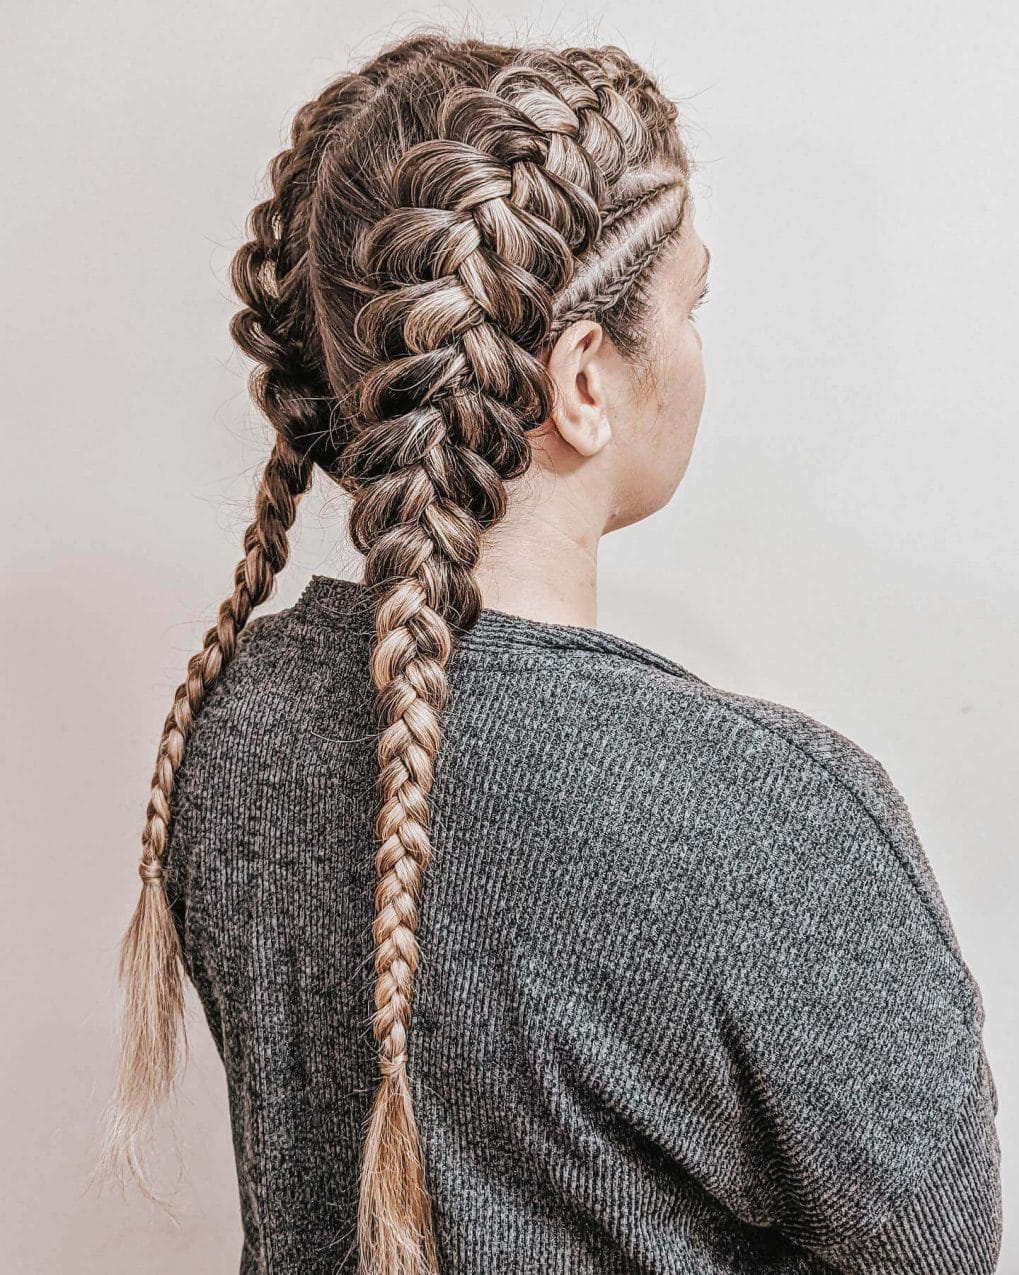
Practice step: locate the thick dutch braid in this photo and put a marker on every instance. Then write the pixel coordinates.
(438, 220)
(478, 232)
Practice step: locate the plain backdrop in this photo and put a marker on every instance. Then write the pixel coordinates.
(844, 540)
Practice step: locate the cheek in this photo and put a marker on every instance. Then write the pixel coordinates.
(683, 388)
(680, 398)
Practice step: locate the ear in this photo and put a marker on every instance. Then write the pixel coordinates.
(575, 366)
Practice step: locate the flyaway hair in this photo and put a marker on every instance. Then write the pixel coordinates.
(438, 219)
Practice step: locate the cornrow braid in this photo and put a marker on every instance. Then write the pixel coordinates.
(620, 260)
(463, 248)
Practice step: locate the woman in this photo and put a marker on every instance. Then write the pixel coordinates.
(658, 975)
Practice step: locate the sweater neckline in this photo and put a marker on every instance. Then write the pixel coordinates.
(347, 604)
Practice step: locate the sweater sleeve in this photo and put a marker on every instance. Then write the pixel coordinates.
(835, 1065)
(951, 1224)
(938, 1210)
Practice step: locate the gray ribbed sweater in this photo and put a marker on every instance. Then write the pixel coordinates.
(689, 1001)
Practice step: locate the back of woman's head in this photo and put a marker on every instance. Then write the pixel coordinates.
(438, 220)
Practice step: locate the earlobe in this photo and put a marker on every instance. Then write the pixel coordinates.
(589, 431)
(580, 415)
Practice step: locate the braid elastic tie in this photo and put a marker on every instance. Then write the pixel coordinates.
(393, 1066)
(150, 870)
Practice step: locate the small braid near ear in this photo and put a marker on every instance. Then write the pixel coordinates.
(438, 218)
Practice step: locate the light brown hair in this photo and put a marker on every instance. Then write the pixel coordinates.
(439, 217)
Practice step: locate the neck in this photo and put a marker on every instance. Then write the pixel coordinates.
(542, 567)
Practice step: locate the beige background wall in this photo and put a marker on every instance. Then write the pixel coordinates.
(845, 540)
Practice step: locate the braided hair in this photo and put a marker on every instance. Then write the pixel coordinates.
(440, 217)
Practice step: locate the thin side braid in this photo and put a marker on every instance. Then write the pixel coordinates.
(620, 282)
(150, 966)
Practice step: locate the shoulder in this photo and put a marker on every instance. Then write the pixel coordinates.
(771, 776)
(672, 705)
(253, 710)
(240, 751)
(267, 676)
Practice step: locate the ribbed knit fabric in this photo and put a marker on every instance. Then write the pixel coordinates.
(690, 1001)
